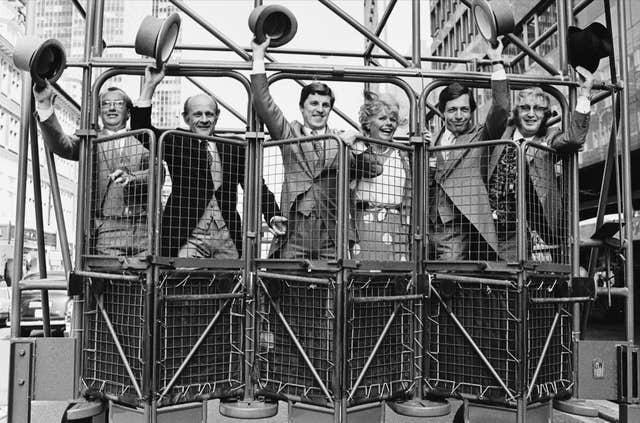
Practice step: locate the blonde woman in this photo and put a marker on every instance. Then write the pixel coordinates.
(382, 205)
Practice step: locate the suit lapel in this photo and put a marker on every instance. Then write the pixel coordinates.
(455, 156)
(498, 149)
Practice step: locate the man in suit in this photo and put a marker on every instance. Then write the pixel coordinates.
(545, 205)
(119, 177)
(460, 214)
(309, 191)
(200, 218)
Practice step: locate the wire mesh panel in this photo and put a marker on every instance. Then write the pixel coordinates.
(478, 342)
(200, 218)
(312, 174)
(461, 216)
(549, 374)
(307, 171)
(114, 318)
(119, 195)
(381, 344)
(547, 204)
(489, 315)
(200, 317)
(295, 322)
(381, 206)
(474, 193)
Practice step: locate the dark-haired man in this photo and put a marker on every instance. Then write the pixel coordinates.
(119, 177)
(309, 191)
(200, 219)
(543, 197)
(460, 214)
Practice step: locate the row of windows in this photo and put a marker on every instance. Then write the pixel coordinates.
(10, 78)
(442, 12)
(456, 41)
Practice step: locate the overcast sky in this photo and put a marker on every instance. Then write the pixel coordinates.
(318, 28)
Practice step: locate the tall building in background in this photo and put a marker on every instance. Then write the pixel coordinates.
(11, 28)
(167, 98)
(455, 35)
(112, 33)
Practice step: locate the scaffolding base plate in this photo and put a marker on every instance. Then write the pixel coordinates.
(421, 408)
(248, 409)
(576, 406)
(85, 410)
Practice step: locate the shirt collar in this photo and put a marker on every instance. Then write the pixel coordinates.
(518, 136)
(119, 131)
(307, 130)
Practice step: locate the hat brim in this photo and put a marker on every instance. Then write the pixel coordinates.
(48, 62)
(493, 19)
(157, 37)
(263, 20)
(167, 38)
(585, 47)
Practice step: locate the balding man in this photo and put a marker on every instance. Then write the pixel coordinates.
(201, 217)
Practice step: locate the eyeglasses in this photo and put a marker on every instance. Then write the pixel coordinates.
(112, 104)
(540, 110)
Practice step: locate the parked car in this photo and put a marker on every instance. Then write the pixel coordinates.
(31, 308)
(5, 301)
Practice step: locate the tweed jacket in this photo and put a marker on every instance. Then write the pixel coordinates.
(302, 167)
(460, 181)
(108, 199)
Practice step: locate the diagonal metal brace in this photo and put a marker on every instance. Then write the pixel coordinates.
(474, 345)
(296, 342)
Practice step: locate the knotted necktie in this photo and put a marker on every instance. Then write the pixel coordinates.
(215, 165)
(318, 145)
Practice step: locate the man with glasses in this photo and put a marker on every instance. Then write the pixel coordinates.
(119, 176)
(543, 194)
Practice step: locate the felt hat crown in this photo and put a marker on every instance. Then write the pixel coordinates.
(493, 18)
(157, 37)
(587, 46)
(43, 59)
(275, 21)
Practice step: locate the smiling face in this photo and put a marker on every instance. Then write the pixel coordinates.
(315, 111)
(113, 110)
(530, 113)
(201, 114)
(457, 114)
(383, 124)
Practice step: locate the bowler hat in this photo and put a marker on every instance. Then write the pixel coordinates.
(275, 21)
(493, 19)
(587, 46)
(157, 37)
(43, 59)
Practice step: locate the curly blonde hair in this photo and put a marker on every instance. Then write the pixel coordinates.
(373, 104)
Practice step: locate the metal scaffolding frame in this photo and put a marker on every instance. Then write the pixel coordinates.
(410, 67)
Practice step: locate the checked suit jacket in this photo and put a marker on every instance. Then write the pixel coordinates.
(460, 181)
(304, 171)
(110, 200)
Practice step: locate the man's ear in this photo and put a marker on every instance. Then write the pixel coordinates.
(185, 118)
